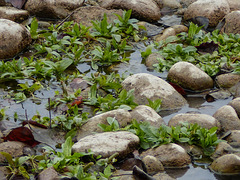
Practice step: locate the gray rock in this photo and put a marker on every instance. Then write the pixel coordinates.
(86, 14)
(147, 86)
(171, 155)
(108, 143)
(173, 4)
(234, 5)
(91, 126)
(13, 37)
(153, 165)
(48, 174)
(226, 164)
(214, 10)
(147, 10)
(189, 76)
(186, 3)
(235, 103)
(204, 120)
(52, 8)
(144, 113)
(234, 138)
(228, 118)
(232, 25)
(13, 14)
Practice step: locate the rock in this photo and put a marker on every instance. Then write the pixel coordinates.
(227, 80)
(235, 103)
(180, 28)
(204, 120)
(214, 10)
(153, 165)
(123, 175)
(222, 149)
(234, 138)
(173, 4)
(171, 155)
(186, 3)
(234, 5)
(189, 76)
(163, 176)
(13, 37)
(153, 59)
(147, 10)
(52, 8)
(228, 118)
(91, 126)
(13, 14)
(14, 148)
(166, 33)
(144, 113)
(48, 174)
(2, 3)
(86, 14)
(159, 3)
(147, 86)
(108, 143)
(232, 25)
(226, 164)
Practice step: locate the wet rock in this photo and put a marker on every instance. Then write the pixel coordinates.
(108, 143)
(227, 80)
(234, 5)
(232, 24)
(171, 155)
(13, 14)
(91, 126)
(219, 94)
(52, 8)
(75, 84)
(147, 86)
(144, 113)
(194, 150)
(234, 138)
(226, 164)
(153, 59)
(153, 165)
(13, 37)
(49, 174)
(86, 14)
(222, 149)
(214, 10)
(235, 103)
(228, 118)
(147, 10)
(173, 4)
(204, 120)
(14, 148)
(189, 76)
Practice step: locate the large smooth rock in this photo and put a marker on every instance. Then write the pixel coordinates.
(153, 165)
(226, 164)
(214, 10)
(234, 138)
(147, 10)
(189, 76)
(235, 103)
(144, 113)
(48, 174)
(171, 155)
(232, 24)
(228, 118)
(227, 80)
(52, 8)
(147, 86)
(13, 37)
(86, 14)
(222, 149)
(204, 120)
(108, 143)
(91, 126)
(13, 14)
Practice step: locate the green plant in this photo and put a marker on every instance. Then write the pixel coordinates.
(113, 125)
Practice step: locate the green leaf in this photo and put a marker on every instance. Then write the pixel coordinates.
(67, 147)
(8, 157)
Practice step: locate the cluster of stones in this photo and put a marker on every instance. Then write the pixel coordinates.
(14, 37)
